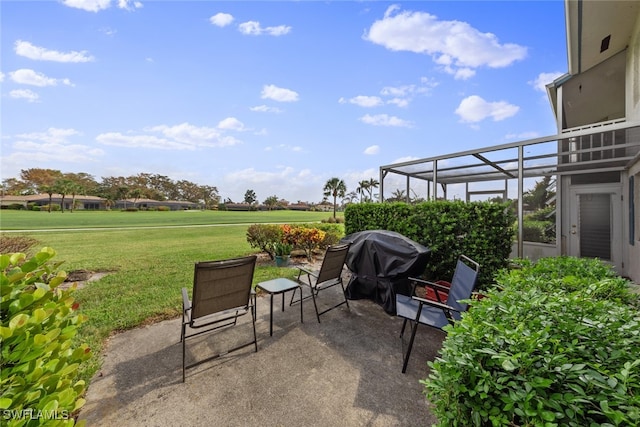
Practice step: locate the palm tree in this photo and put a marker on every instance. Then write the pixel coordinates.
(397, 196)
(373, 183)
(363, 186)
(337, 188)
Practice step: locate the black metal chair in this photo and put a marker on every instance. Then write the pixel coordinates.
(221, 294)
(437, 314)
(329, 275)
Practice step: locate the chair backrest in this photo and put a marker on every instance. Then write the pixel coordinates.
(333, 262)
(222, 285)
(463, 283)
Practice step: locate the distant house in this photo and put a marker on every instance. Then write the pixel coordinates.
(144, 204)
(81, 202)
(324, 206)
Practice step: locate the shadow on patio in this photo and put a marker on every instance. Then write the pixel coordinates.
(345, 371)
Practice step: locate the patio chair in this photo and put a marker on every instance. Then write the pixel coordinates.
(329, 275)
(221, 294)
(438, 313)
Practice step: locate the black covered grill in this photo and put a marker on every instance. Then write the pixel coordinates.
(381, 262)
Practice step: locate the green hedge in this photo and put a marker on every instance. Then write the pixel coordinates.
(554, 344)
(480, 230)
(40, 358)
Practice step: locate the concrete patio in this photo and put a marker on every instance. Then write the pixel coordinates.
(345, 371)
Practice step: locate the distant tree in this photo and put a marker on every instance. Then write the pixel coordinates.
(363, 187)
(350, 197)
(136, 193)
(271, 202)
(373, 184)
(537, 197)
(63, 186)
(122, 193)
(15, 187)
(209, 196)
(37, 178)
(398, 195)
(335, 187)
(250, 197)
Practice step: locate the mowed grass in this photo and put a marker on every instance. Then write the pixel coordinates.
(146, 267)
(32, 220)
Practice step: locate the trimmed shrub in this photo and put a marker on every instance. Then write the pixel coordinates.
(39, 358)
(264, 237)
(480, 230)
(556, 344)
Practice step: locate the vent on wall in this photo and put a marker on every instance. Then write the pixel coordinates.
(604, 44)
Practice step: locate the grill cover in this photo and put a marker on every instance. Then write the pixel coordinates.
(381, 262)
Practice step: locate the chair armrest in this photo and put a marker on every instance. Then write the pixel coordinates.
(186, 303)
(309, 274)
(435, 304)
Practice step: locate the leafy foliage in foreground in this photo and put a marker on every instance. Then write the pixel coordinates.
(556, 345)
(39, 360)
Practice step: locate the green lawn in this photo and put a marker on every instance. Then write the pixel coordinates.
(32, 220)
(147, 266)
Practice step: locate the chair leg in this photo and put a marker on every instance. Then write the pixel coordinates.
(344, 294)
(414, 328)
(404, 324)
(315, 305)
(255, 337)
(184, 341)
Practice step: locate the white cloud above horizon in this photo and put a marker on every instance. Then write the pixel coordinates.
(30, 77)
(457, 47)
(221, 19)
(28, 50)
(279, 94)
(254, 28)
(385, 120)
(99, 5)
(474, 109)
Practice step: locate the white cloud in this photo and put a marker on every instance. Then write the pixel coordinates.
(399, 102)
(454, 45)
(278, 94)
(30, 77)
(51, 148)
(178, 137)
(129, 4)
(474, 109)
(1, 77)
(265, 109)
(253, 28)
(374, 149)
(363, 101)
(221, 19)
(24, 94)
(31, 51)
(98, 5)
(385, 120)
(52, 135)
(231, 123)
(540, 82)
(88, 5)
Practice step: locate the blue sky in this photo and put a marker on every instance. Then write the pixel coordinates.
(272, 96)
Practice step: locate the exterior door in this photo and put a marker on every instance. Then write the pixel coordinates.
(596, 223)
